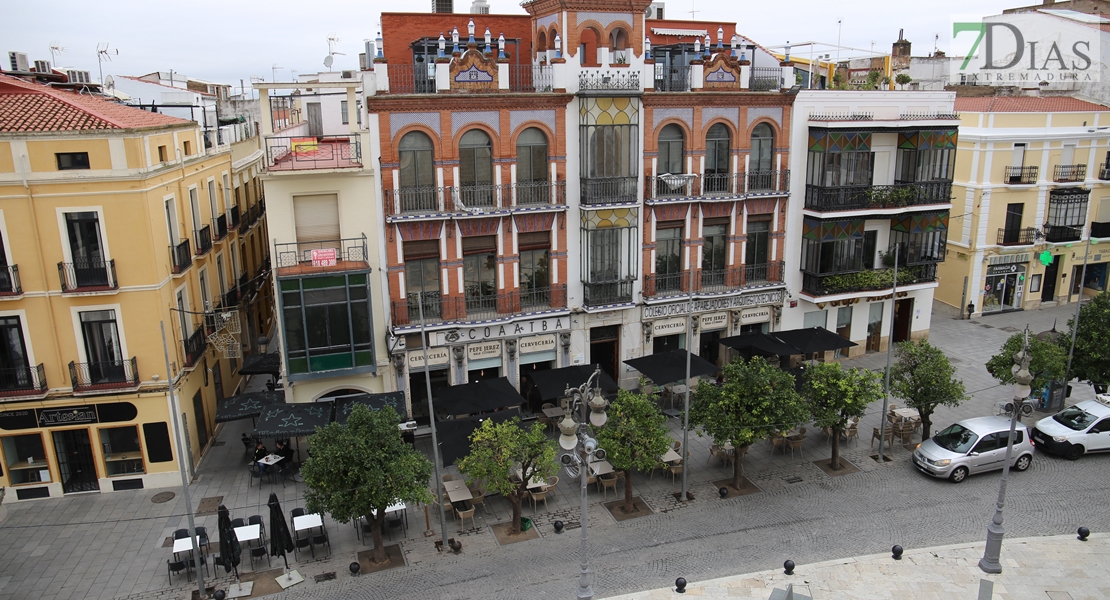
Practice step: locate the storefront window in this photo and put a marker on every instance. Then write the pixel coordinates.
(1005, 285)
(122, 454)
(666, 343)
(25, 458)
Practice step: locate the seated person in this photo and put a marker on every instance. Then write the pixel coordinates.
(286, 454)
(261, 452)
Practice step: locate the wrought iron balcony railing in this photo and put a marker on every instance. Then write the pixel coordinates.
(1104, 173)
(866, 281)
(9, 281)
(762, 273)
(1062, 233)
(863, 197)
(765, 79)
(233, 217)
(101, 376)
(607, 292)
(543, 298)
(319, 152)
(539, 193)
(412, 79)
(181, 256)
(526, 78)
(476, 306)
(1069, 173)
(672, 79)
(608, 190)
(1016, 237)
(204, 240)
(474, 198)
(607, 81)
(1021, 175)
(660, 285)
(88, 276)
(23, 381)
(708, 185)
(219, 227)
(299, 258)
(195, 345)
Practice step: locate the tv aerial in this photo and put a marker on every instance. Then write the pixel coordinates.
(104, 53)
(55, 50)
(332, 41)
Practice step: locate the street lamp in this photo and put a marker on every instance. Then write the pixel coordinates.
(581, 451)
(1078, 305)
(1022, 388)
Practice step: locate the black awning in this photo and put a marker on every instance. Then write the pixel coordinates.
(813, 339)
(478, 397)
(670, 367)
(246, 406)
(293, 420)
(345, 404)
(759, 343)
(552, 384)
(261, 364)
(454, 434)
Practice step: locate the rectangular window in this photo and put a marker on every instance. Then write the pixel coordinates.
(838, 256)
(316, 219)
(714, 254)
(69, 161)
(103, 351)
(1067, 208)
(1017, 159)
(480, 273)
(25, 459)
(327, 323)
(122, 453)
(870, 248)
(874, 326)
(535, 277)
(162, 154)
(668, 249)
(213, 207)
(422, 279)
(343, 112)
(187, 147)
(758, 246)
(86, 250)
(931, 164)
(836, 169)
(15, 372)
(817, 318)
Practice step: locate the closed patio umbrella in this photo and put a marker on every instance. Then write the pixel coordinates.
(281, 541)
(230, 552)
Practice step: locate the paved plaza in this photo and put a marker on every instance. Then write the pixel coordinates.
(113, 545)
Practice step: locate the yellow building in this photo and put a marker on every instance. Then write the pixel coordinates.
(112, 220)
(1032, 187)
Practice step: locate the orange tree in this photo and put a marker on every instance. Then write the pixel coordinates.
(634, 437)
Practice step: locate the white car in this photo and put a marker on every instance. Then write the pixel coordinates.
(1076, 430)
(973, 446)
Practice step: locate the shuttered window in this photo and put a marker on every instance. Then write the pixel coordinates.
(480, 244)
(534, 241)
(317, 218)
(421, 249)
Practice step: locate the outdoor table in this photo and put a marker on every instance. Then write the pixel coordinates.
(184, 545)
(907, 414)
(248, 533)
(601, 467)
(304, 522)
(671, 456)
(457, 491)
(270, 460)
(554, 412)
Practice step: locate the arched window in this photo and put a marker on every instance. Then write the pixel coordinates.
(541, 41)
(717, 162)
(533, 184)
(760, 176)
(618, 40)
(476, 169)
(671, 142)
(418, 175)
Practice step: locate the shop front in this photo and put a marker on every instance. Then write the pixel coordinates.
(439, 371)
(666, 325)
(1003, 288)
(537, 353)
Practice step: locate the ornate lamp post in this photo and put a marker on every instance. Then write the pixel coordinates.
(581, 451)
(1022, 380)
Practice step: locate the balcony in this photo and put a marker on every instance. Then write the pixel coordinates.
(1021, 175)
(1062, 233)
(329, 256)
(662, 285)
(526, 78)
(309, 153)
(233, 217)
(607, 292)
(1069, 173)
(9, 281)
(104, 376)
(23, 381)
(543, 298)
(204, 240)
(474, 306)
(609, 190)
(1100, 230)
(412, 79)
(742, 276)
(673, 79)
(181, 256)
(475, 198)
(1016, 237)
(88, 276)
(620, 80)
(868, 197)
(866, 281)
(711, 185)
(1104, 173)
(765, 79)
(195, 345)
(219, 226)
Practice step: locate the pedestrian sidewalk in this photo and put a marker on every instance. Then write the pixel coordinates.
(1042, 568)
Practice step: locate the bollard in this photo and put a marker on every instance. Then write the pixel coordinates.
(789, 566)
(680, 585)
(896, 551)
(1083, 534)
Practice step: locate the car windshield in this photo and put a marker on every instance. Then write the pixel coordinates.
(1074, 418)
(956, 438)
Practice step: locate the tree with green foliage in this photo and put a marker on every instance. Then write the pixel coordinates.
(834, 395)
(634, 437)
(873, 80)
(924, 378)
(361, 468)
(756, 400)
(505, 457)
(1091, 359)
(1048, 364)
(902, 79)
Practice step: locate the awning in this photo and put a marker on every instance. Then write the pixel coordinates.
(670, 367)
(345, 404)
(683, 32)
(246, 406)
(261, 364)
(482, 396)
(759, 343)
(813, 339)
(454, 435)
(293, 420)
(552, 384)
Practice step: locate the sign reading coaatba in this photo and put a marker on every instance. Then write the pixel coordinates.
(496, 332)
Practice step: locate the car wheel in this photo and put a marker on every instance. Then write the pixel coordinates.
(1023, 462)
(1074, 453)
(958, 475)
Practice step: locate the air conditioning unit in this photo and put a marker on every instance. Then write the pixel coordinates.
(348, 75)
(19, 62)
(42, 66)
(78, 76)
(654, 11)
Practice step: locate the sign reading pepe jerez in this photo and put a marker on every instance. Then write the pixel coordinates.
(499, 331)
(1027, 47)
(711, 304)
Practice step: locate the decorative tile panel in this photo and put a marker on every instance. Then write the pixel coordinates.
(516, 117)
(609, 217)
(472, 227)
(487, 117)
(534, 222)
(548, 20)
(606, 18)
(770, 112)
(686, 115)
(398, 121)
(420, 230)
(732, 115)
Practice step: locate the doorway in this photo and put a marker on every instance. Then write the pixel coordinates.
(605, 348)
(903, 318)
(315, 119)
(202, 423)
(218, 382)
(74, 453)
(709, 346)
(1051, 274)
(528, 387)
(476, 375)
(418, 392)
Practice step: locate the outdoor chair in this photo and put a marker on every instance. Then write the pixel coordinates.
(876, 435)
(903, 431)
(542, 418)
(302, 542)
(320, 539)
(253, 473)
(675, 471)
(678, 446)
(538, 497)
(202, 533)
(479, 497)
(778, 441)
(238, 523)
(795, 443)
(447, 477)
(554, 481)
(397, 523)
(257, 520)
(177, 566)
(180, 534)
(851, 433)
(463, 515)
(609, 483)
(593, 480)
(716, 451)
(660, 466)
(259, 553)
(248, 444)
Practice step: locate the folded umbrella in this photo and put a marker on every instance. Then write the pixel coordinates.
(230, 552)
(281, 541)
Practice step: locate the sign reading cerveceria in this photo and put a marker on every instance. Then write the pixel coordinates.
(1012, 49)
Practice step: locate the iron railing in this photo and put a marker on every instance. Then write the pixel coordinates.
(866, 281)
(481, 305)
(1104, 173)
(416, 199)
(233, 217)
(607, 190)
(762, 273)
(527, 78)
(605, 81)
(607, 292)
(1016, 237)
(181, 256)
(1068, 173)
(842, 116)
(539, 193)
(476, 306)
(929, 116)
(195, 345)
(204, 240)
(878, 196)
(88, 275)
(542, 298)
(9, 281)
(413, 79)
(231, 297)
(308, 152)
(1021, 175)
(219, 227)
(253, 214)
(408, 311)
(765, 79)
(658, 285)
(22, 381)
(717, 184)
(108, 375)
(672, 79)
(762, 182)
(1062, 233)
(676, 185)
(1100, 230)
(740, 276)
(472, 196)
(331, 255)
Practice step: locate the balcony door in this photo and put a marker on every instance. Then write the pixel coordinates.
(1012, 233)
(417, 171)
(102, 346)
(422, 286)
(6, 284)
(759, 165)
(315, 119)
(480, 274)
(532, 180)
(668, 256)
(717, 159)
(86, 249)
(476, 169)
(316, 219)
(15, 373)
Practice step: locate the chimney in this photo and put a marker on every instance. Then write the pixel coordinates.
(479, 7)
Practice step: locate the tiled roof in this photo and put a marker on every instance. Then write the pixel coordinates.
(1026, 104)
(30, 107)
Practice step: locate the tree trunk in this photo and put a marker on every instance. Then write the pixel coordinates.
(628, 505)
(515, 499)
(738, 467)
(835, 462)
(926, 424)
(376, 526)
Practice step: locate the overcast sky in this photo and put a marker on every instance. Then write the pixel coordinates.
(229, 40)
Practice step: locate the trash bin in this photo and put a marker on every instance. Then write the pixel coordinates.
(525, 524)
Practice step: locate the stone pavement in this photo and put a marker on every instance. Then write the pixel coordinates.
(112, 545)
(1044, 568)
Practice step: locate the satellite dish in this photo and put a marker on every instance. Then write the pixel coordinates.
(110, 82)
(328, 61)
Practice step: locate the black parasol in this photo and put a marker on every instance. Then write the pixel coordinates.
(230, 552)
(246, 406)
(345, 404)
(478, 397)
(293, 420)
(552, 384)
(262, 364)
(813, 339)
(670, 367)
(281, 542)
(759, 343)
(454, 434)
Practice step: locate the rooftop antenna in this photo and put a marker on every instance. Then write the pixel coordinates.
(273, 72)
(104, 53)
(332, 41)
(839, 28)
(936, 41)
(55, 50)
(692, 11)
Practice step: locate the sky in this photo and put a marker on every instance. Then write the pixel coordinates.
(232, 40)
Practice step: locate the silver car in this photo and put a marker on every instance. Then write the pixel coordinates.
(973, 446)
